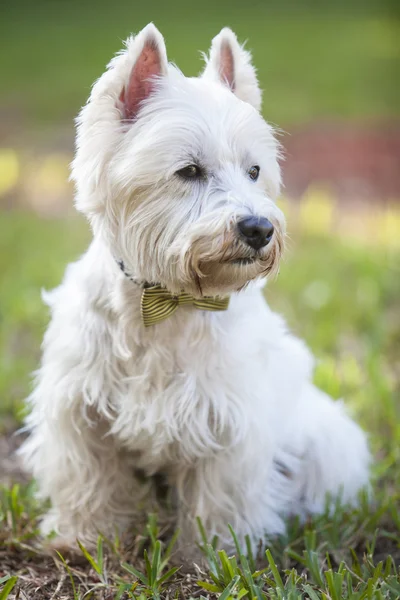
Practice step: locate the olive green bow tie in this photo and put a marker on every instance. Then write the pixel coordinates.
(158, 304)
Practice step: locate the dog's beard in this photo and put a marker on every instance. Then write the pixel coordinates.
(217, 265)
(205, 257)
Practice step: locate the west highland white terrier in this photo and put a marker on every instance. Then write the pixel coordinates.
(162, 356)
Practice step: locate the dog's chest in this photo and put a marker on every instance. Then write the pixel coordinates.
(187, 392)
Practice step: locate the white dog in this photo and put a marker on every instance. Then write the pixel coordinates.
(162, 355)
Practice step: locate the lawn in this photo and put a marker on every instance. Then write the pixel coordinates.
(315, 60)
(342, 296)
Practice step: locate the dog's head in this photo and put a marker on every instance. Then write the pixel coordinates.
(179, 175)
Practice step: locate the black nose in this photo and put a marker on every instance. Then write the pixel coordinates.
(256, 232)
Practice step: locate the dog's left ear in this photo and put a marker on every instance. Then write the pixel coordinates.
(230, 63)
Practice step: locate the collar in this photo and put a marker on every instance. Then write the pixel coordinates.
(157, 303)
(143, 284)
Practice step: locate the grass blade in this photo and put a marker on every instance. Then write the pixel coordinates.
(274, 569)
(155, 562)
(5, 592)
(71, 578)
(100, 557)
(167, 575)
(89, 557)
(132, 571)
(227, 591)
(235, 540)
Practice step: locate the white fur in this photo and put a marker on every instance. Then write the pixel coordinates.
(222, 403)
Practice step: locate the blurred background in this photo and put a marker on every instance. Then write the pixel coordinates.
(331, 78)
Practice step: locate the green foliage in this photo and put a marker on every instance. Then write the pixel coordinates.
(236, 577)
(152, 581)
(98, 563)
(148, 583)
(18, 513)
(314, 59)
(33, 255)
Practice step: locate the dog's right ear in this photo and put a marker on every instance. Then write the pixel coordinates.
(146, 58)
(130, 78)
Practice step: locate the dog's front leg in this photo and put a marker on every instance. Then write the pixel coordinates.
(229, 488)
(87, 477)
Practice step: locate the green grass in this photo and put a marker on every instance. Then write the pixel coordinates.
(315, 60)
(32, 253)
(343, 298)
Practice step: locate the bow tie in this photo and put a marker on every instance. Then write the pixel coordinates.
(158, 304)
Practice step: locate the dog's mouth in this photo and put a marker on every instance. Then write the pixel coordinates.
(249, 260)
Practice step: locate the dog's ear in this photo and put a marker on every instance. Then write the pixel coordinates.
(147, 59)
(230, 63)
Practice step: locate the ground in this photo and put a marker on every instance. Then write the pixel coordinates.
(341, 294)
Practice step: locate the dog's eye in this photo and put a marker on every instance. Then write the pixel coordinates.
(254, 172)
(190, 172)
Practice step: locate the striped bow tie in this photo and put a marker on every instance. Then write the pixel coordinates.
(158, 304)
